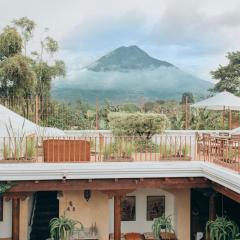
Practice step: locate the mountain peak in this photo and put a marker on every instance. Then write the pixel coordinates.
(127, 59)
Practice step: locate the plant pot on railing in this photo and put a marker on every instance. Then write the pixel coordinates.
(66, 150)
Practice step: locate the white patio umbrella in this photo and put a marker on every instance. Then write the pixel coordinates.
(220, 102)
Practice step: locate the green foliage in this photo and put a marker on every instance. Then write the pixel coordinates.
(162, 224)
(30, 148)
(17, 77)
(222, 229)
(27, 27)
(228, 76)
(143, 125)
(69, 116)
(129, 108)
(4, 187)
(51, 45)
(119, 149)
(24, 76)
(10, 43)
(189, 96)
(205, 119)
(62, 228)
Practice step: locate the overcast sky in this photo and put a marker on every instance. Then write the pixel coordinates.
(192, 34)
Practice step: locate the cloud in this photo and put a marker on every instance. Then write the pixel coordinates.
(107, 32)
(194, 35)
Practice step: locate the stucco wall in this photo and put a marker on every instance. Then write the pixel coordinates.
(6, 224)
(93, 211)
(182, 213)
(141, 224)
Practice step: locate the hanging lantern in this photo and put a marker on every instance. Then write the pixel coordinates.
(87, 194)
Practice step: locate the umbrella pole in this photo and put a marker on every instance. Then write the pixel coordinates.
(223, 116)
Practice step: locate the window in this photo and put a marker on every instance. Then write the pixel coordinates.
(155, 207)
(128, 208)
(1, 208)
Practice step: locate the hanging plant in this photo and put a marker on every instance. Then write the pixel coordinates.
(4, 187)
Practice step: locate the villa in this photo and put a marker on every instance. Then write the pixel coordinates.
(191, 176)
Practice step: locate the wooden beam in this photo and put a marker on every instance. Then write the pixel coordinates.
(121, 184)
(117, 217)
(227, 192)
(15, 218)
(16, 195)
(212, 206)
(112, 193)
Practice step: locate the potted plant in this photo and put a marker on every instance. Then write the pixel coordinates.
(162, 227)
(222, 229)
(62, 228)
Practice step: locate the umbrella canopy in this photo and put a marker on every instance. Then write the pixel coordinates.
(219, 102)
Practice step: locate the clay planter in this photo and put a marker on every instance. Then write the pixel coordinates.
(70, 150)
(167, 236)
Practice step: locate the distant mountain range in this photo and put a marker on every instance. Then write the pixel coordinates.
(126, 75)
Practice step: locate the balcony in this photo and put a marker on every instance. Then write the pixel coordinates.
(101, 146)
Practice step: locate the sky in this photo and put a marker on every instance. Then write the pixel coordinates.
(194, 35)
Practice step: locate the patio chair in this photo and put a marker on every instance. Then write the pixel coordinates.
(207, 145)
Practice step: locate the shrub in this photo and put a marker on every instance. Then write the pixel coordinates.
(143, 125)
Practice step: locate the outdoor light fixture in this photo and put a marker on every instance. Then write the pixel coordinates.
(87, 194)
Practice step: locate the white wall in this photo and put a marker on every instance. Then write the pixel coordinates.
(6, 224)
(141, 225)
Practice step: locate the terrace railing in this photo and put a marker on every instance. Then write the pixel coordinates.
(96, 149)
(222, 149)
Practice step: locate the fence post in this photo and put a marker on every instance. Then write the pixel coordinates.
(36, 109)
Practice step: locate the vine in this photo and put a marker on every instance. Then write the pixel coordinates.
(4, 187)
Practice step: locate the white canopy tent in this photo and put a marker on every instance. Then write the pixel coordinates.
(13, 123)
(221, 102)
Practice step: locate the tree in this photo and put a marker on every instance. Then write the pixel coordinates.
(44, 71)
(17, 77)
(143, 125)
(27, 27)
(189, 97)
(22, 75)
(228, 76)
(10, 43)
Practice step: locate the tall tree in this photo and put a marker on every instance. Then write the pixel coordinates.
(10, 43)
(189, 97)
(23, 75)
(17, 77)
(45, 71)
(26, 27)
(228, 76)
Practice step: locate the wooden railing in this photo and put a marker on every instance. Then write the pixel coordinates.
(220, 149)
(96, 149)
